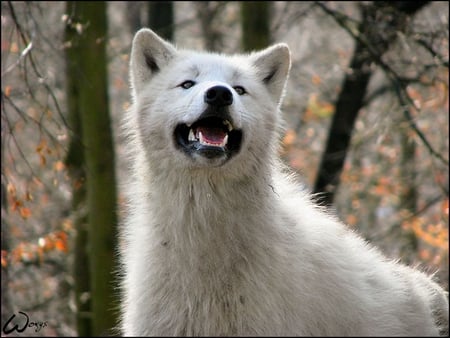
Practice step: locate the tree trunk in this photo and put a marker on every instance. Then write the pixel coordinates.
(349, 103)
(99, 163)
(378, 29)
(408, 195)
(6, 310)
(255, 25)
(207, 11)
(160, 18)
(75, 164)
(133, 15)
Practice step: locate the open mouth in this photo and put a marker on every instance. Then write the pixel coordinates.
(210, 137)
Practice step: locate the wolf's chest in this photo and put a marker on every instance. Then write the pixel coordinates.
(216, 290)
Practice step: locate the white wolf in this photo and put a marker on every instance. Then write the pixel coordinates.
(218, 239)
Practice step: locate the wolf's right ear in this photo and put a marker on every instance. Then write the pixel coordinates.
(149, 53)
(272, 67)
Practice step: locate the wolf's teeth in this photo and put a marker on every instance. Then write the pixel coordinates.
(200, 138)
(228, 125)
(206, 143)
(191, 136)
(225, 141)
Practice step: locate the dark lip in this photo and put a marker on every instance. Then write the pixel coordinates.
(181, 134)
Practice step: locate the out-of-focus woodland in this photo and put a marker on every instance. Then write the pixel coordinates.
(367, 126)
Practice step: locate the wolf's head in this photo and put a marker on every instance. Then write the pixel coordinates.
(199, 110)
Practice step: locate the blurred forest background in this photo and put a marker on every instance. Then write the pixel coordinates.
(367, 126)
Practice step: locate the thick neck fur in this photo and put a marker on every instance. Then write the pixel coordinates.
(199, 207)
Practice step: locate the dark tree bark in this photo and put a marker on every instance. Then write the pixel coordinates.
(75, 164)
(378, 30)
(255, 24)
(134, 9)
(6, 310)
(160, 18)
(91, 88)
(207, 12)
(408, 194)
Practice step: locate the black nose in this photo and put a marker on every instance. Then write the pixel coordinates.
(218, 96)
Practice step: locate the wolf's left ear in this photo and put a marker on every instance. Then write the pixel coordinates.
(272, 66)
(149, 53)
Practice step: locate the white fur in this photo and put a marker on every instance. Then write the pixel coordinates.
(214, 247)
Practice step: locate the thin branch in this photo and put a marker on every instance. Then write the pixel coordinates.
(399, 85)
(33, 64)
(405, 100)
(21, 57)
(27, 118)
(10, 129)
(428, 205)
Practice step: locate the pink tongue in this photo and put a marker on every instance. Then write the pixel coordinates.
(212, 135)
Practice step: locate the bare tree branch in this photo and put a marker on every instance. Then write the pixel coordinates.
(26, 41)
(399, 84)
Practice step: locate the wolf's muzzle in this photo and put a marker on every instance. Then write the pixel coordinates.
(213, 135)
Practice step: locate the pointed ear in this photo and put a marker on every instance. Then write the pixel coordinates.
(149, 53)
(272, 66)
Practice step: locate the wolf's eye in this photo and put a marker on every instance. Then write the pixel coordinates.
(187, 84)
(240, 90)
